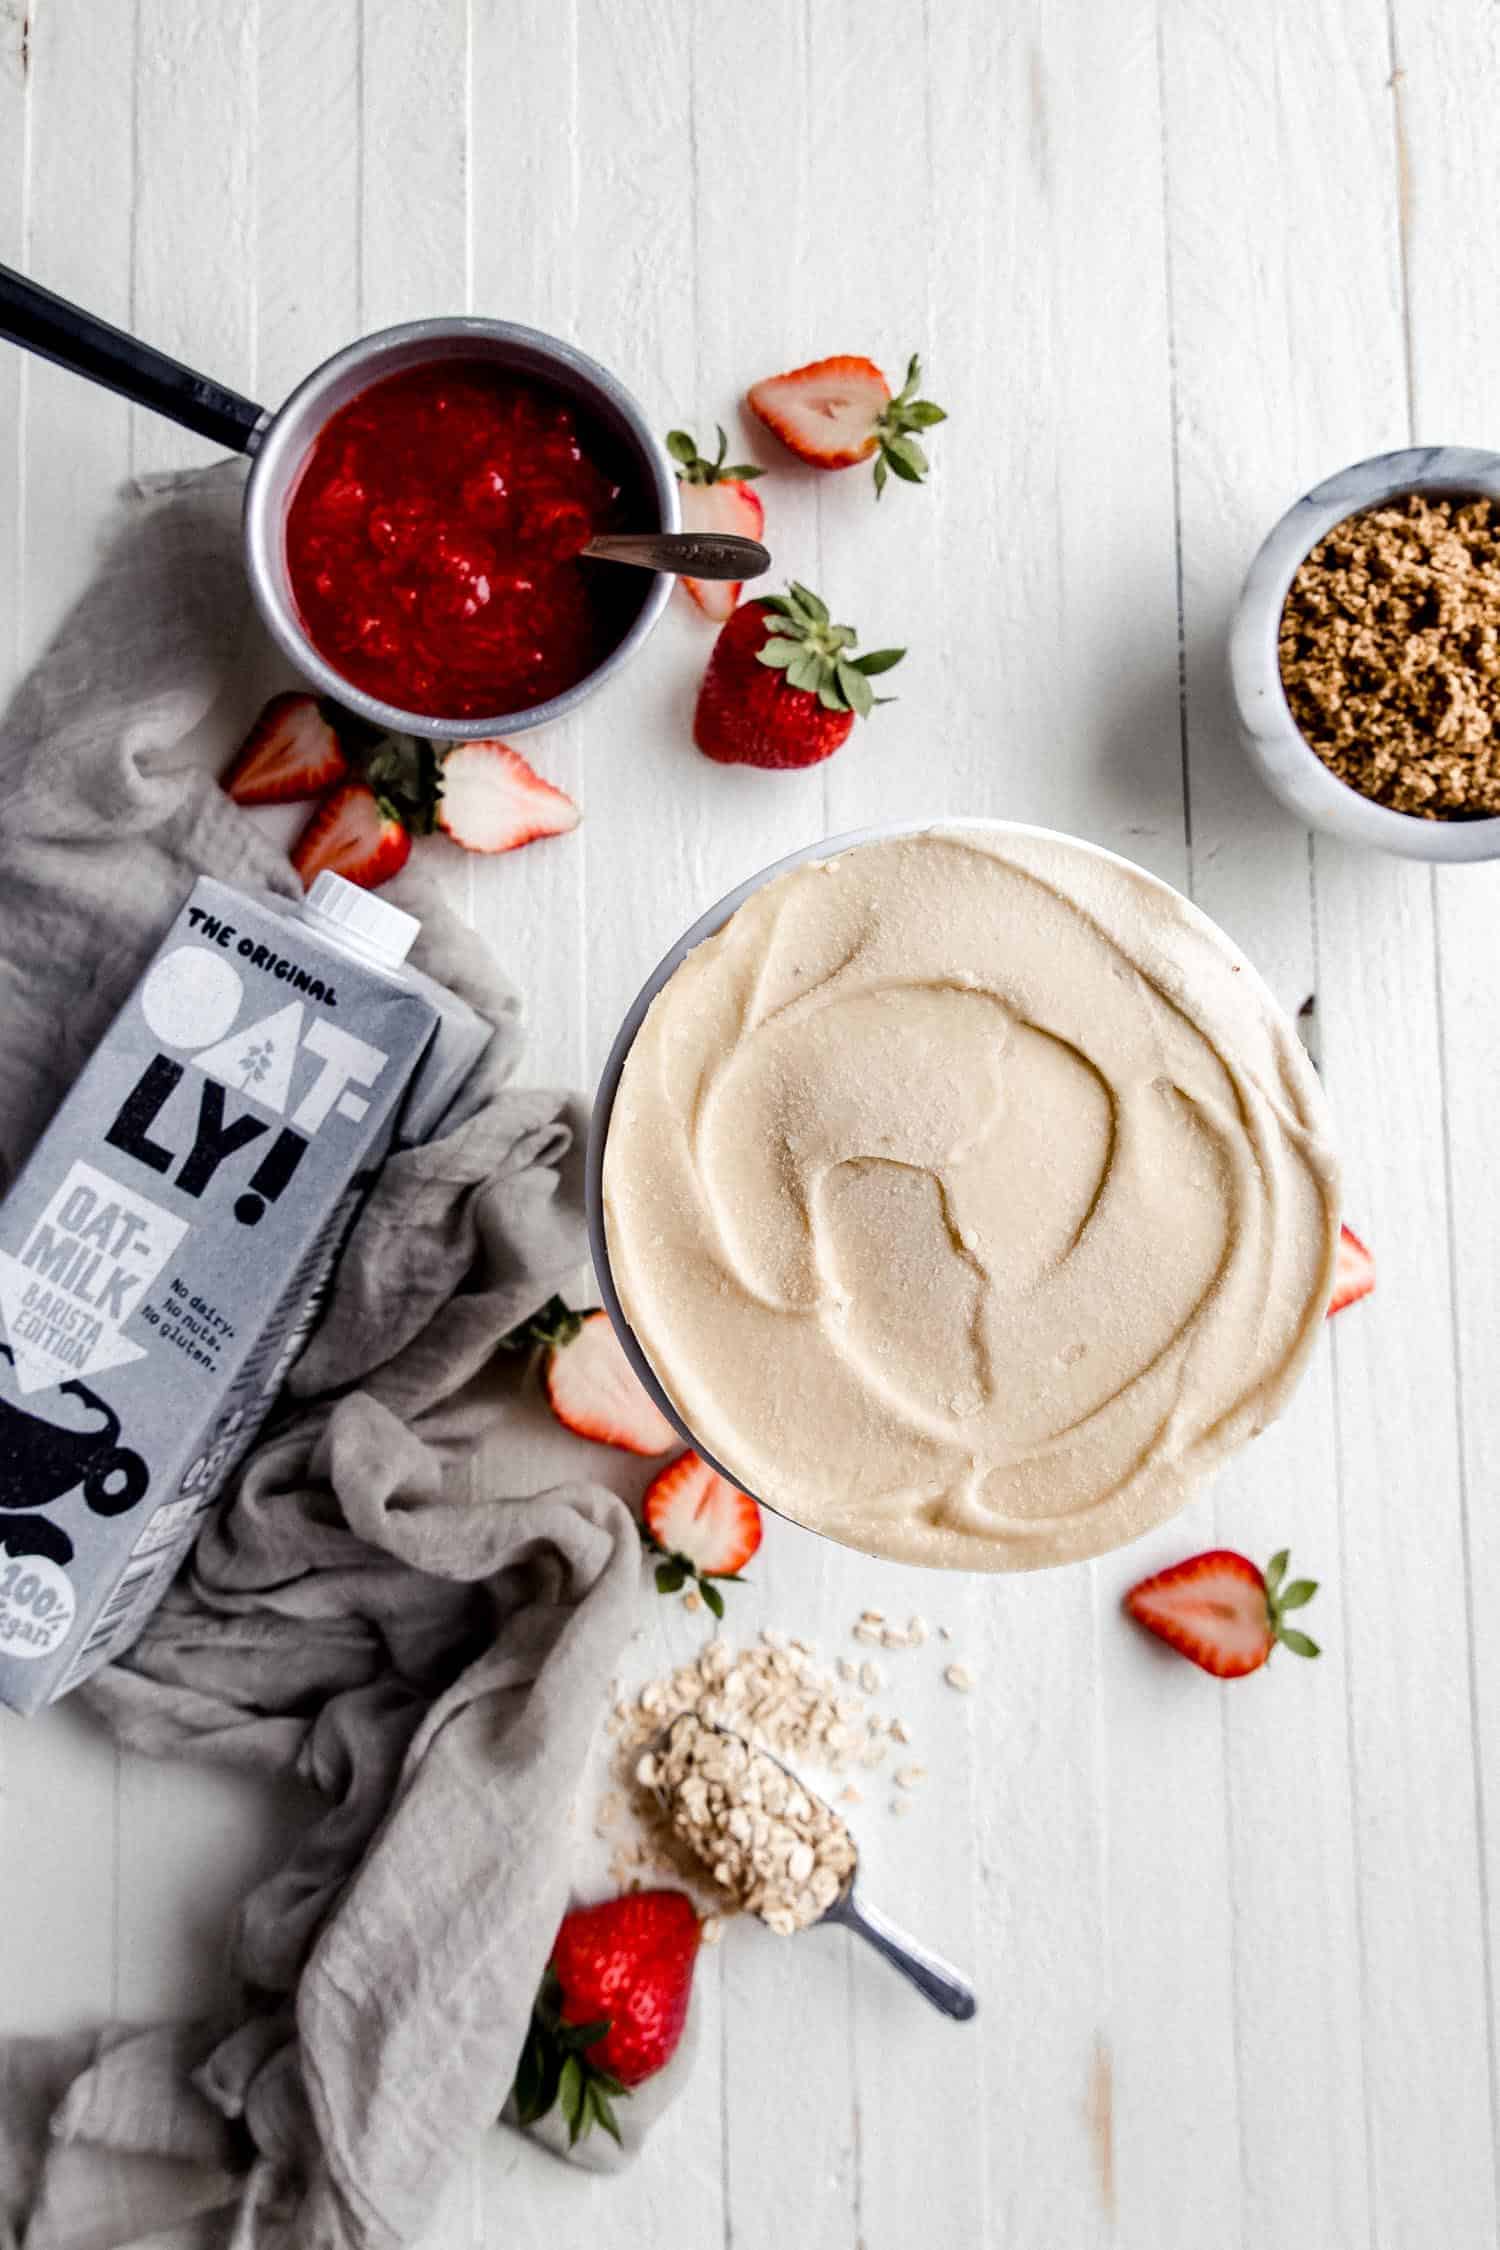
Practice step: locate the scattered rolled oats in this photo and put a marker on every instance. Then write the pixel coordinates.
(692, 1599)
(711, 1929)
(959, 1676)
(910, 1777)
(916, 1631)
(870, 1678)
(901, 1804)
(872, 1617)
(900, 1731)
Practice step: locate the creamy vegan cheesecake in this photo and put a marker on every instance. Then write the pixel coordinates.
(970, 1197)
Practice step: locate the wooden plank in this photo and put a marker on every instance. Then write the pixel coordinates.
(193, 217)
(1047, 269)
(15, 158)
(1410, 1710)
(306, 188)
(58, 1835)
(1286, 260)
(529, 906)
(1237, 147)
(780, 2184)
(632, 125)
(193, 278)
(413, 179)
(1445, 83)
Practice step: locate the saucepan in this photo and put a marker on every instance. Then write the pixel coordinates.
(280, 442)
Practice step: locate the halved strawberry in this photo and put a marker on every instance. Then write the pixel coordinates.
(492, 801)
(1222, 1613)
(292, 752)
(716, 498)
(836, 412)
(703, 1526)
(355, 834)
(591, 1386)
(1353, 1273)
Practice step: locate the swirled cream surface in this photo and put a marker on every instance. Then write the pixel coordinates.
(970, 1197)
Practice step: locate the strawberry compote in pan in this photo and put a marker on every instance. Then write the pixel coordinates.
(434, 542)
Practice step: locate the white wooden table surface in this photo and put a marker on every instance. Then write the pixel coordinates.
(1167, 264)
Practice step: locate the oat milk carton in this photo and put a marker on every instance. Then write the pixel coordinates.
(165, 1250)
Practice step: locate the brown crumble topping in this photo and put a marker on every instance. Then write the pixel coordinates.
(1390, 655)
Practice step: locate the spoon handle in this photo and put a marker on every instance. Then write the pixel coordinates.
(686, 554)
(933, 1978)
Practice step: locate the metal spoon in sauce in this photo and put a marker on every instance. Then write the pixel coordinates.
(933, 1977)
(684, 554)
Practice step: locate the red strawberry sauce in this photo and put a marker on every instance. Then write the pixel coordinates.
(433, 542)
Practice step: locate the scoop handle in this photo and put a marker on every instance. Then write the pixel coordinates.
(933, 1977)
(57, 330)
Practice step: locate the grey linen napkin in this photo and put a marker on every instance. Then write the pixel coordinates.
(366, 1613)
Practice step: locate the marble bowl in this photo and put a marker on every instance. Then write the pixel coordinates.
(1290, 768)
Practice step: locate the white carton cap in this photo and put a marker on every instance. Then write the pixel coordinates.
(356, 918)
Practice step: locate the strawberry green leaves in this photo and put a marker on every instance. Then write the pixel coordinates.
(817, 655)
(675, 1571)
(900, 454)
(694, 469)
(1280, 1598)
(555, 2071)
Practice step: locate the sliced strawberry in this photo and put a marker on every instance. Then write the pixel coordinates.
(593, 1389)
(1353, 1273)
(353, 834)
(493, 802)
(825, 412)
(836, 412)
(702, 1525)
(1222, 1613)
(291, 753)
(716, 497)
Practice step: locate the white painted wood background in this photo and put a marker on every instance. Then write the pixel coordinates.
(1167, 265)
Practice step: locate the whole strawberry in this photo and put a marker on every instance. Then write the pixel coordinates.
(611, 2009)
(783, 686)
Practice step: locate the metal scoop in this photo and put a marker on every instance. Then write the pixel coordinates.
(933, 1977)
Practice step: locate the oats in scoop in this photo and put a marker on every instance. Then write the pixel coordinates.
(777, 1848)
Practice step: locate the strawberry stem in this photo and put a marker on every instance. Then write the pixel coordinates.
(900, 454)
(555, 2070)
(817, 655)
(675, 1570)
(693, 469)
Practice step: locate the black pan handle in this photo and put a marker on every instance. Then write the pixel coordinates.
(32, 316)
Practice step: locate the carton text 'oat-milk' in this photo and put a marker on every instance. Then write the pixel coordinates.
(164, 1250)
